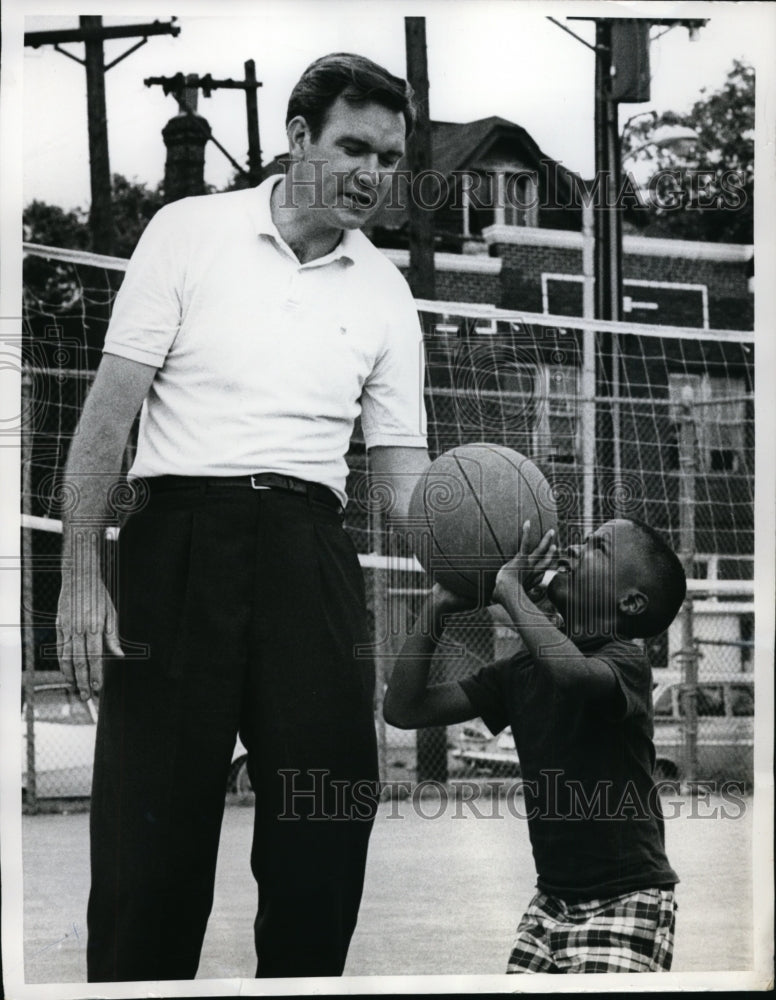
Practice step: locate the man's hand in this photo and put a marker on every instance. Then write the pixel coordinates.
(527, 568)
(86, 619)
(87, 630)
(442, 602)
(447, 602)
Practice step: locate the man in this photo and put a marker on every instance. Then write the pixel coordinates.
(253, 327)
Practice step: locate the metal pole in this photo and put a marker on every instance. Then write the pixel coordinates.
(614, 242)
(587, 414)
(377, 586)
(252, 109)
(689, 654)
(28, 635)
(602, 259)
(608, 225)
(101, 212)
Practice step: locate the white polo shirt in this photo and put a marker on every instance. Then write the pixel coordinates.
(264, 363)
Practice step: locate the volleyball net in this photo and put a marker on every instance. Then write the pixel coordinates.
(624, 419)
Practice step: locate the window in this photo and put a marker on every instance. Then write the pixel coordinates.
(557, 422)
(477, 194)
(664, 706)
(741, 700)
(62, 706)
(521, 199)
(710, 700)
(718, 407)
(499, 195)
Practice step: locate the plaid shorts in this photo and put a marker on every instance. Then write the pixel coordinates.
(633, 932)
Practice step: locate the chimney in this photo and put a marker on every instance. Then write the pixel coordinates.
(185, 137)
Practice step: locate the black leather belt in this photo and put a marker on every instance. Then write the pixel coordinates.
(258, 481)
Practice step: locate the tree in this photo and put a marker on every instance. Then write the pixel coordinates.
(705, 192)
(54, 283)
(134, 205)
(49, 281)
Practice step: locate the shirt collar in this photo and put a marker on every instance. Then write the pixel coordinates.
(346, 250)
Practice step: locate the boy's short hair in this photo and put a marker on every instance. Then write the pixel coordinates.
(667, 585)
(353, 77)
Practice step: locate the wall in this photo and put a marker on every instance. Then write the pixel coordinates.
(460, 277)
(527, 254)
(511, 277)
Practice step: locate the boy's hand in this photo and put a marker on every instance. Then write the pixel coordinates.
(527, 568)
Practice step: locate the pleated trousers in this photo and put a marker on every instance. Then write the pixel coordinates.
(243, 611)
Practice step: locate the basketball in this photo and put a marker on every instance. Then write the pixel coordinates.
(469, 509)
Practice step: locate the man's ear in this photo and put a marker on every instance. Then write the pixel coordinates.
(298, 132)
(633, 602)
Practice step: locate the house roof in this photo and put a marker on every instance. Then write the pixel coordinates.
(457, 145)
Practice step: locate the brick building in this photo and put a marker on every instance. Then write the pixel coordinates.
(507, 223)
(518, 245)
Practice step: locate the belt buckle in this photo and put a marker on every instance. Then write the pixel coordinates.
(253, 483)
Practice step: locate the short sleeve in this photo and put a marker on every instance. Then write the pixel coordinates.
(147, 312)
(487, 692)
(393, 411)
(633, 674)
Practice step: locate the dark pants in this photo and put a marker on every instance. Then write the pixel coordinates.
(238, 610)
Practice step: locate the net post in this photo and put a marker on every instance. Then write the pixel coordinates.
(587, 414)
(28, 635)
(430, 741)
(378, 600)
(689, 652)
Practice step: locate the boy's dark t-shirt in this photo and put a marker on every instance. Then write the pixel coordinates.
(593, 811)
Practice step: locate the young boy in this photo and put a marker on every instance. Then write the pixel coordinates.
(579, 704)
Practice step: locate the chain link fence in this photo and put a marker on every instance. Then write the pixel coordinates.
(642, 425)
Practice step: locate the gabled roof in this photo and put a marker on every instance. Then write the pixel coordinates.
(457, 145)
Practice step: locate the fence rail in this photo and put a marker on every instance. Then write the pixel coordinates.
(624, 419)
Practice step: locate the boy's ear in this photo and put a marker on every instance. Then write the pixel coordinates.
(633, 602)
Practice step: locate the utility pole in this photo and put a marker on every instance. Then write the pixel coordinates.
(608, 218)
(93, 34)
(421, 220)
(431, 743)
(608, 235)
(179, 84)
(621, 77)
(101, 209)
(252, 111)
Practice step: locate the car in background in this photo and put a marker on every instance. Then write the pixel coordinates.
(725, 710)
(483, 755)
(725, 730)
(65, 729)
(64, 734)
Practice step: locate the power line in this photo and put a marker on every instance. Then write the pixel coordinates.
(178, 84)
(93, 34)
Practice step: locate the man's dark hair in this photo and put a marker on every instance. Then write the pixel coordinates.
(356, 79)
(667, 585)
